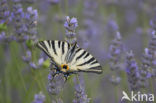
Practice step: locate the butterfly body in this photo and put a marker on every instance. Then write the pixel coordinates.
(69, 59)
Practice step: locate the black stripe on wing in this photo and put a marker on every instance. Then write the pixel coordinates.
(87, 55)
(41, 45)
(97, 69)
(62, 47)
(83, 53)
(87, 62)
(59, 43)
(53, 46)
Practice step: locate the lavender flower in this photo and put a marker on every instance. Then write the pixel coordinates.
(145, 68)
(39, 98)
(116, 49)
(55, 82)
(152, 50)
(4, 12)
(28, 59)
(132, 71)
(111, 26)
(6, 39)
(70, 24)
(80, 96)
(17, 18)
(58, 100)
(2, 36)
(31, 17)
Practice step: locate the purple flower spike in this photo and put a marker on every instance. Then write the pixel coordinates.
(132, 71)
(116, 49)
(4, 12)
(71, 24)
(55, 83)
(80, 95)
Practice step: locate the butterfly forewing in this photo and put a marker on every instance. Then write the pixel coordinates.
(56, 50)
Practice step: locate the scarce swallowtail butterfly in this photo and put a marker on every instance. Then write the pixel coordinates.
(69, 59)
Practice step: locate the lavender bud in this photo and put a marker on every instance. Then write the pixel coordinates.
(39, 98)
(40, 61)
(33, 65)
(71, 25)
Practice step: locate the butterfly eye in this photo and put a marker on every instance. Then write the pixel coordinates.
(65, 66)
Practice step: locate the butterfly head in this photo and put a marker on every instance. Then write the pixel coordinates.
(64, 68)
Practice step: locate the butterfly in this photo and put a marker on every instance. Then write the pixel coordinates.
(69, 59)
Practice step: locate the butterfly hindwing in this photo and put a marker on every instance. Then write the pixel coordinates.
(56, 50)
(85, 62)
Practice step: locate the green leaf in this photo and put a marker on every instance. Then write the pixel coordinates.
(29, 43)
(3, 27)
(46, 63)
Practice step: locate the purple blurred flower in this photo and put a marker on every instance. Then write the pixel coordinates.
(115, 79)
(89, 8)
(111, 26)
(58, 100)
(40, 61)
(31, 17)
(80, 95)
(17, 17)
(6, 39)
(33, 65)
(4, 12)
(27, 58)
(39, 98)
(115, 57)
(116, 49)
(2, 36)
(53, 2)
(152, 52)
(145, 68)
(132, 71)
(55, 82)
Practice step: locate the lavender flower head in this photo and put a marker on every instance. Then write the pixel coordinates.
(31, 17)
(55, 81)
(80, 96)
(132, 71)
(17, 17)
(71, 24)
(152, 52)
(116, 48)
(4, 12)
(145, 68)
(39, 98)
